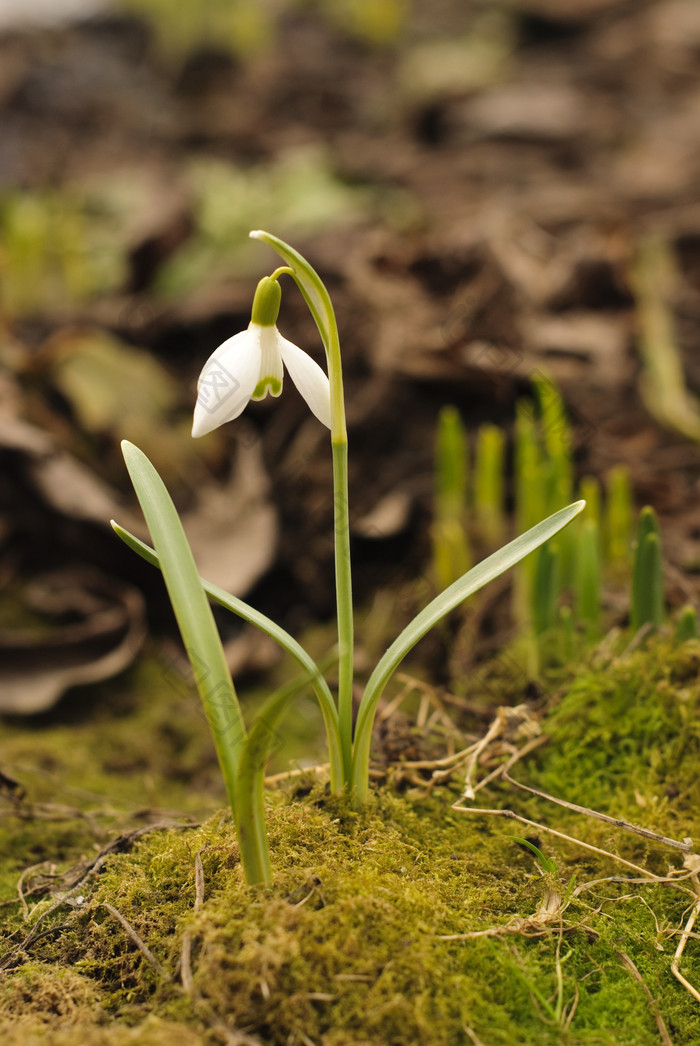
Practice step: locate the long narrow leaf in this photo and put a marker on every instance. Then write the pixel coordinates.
(276, 632)
(491, 567)
(193, 614)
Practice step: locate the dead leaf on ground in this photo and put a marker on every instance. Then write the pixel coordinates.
(101, 626)
(31, 458)
(390, 516)
(121, 391)
(233, 528)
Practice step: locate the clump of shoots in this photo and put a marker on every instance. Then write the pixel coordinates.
(558, 592)
(466, 498)
(249, 366)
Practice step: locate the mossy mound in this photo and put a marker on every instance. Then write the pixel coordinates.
(625, 738)
(406, 922)
(345, 946)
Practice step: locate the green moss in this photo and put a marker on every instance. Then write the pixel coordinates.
(347, 946)
(625, 738)
(344, 942)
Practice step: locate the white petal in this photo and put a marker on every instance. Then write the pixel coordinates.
(308, 378)
(271, 370)
(227, 381)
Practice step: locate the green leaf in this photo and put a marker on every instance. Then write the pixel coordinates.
(489, 569)
(243, 610)
(193, 614)
(548, 864)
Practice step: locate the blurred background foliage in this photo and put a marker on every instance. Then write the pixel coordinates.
(250, 27)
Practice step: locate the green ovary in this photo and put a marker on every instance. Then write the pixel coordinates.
(265, 385)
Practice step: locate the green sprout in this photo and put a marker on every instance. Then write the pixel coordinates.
(618, 522)
(687, 624)
(489, 516)
(588, 561)
(647, 577)
(451, 553)
(547, 864)
(248, 366)
(248, 27)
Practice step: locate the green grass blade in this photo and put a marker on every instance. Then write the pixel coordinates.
(193, 614)
(450, 464)
(544, 612)
(589, 490)
(280, 636)
(530, 502)
(491, 567)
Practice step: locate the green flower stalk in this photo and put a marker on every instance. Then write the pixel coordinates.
(251, 365)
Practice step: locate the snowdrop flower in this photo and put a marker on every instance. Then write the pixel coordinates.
(251, 364)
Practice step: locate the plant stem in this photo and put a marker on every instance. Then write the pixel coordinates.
(343, 588)
(341, 534)
(318, 300)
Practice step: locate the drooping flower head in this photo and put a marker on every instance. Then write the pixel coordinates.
(251, 364)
